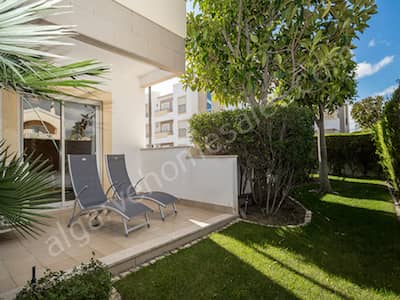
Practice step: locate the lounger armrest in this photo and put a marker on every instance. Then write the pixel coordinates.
(139, 181)
(109, 189)
(82, 190)
(114, 187)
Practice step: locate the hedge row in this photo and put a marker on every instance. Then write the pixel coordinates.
(387, 135)
(352, 155)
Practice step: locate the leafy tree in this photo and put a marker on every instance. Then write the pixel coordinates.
(244, 50)
(262, 52)
(368, 111)
(328, 78)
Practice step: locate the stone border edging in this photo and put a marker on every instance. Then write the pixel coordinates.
(306, 221)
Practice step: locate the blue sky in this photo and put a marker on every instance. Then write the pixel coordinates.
(378, 51)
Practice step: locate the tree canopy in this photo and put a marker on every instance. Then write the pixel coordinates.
(259, 52)
(368, 111)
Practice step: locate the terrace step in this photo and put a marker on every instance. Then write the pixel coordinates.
(136, 256)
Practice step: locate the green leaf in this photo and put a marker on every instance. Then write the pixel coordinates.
(327, 10)
(254, 38)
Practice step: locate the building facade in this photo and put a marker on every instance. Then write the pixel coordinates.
(338, 121)
(170, 115)
(143, 42)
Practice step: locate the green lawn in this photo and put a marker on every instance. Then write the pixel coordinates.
(351, 250)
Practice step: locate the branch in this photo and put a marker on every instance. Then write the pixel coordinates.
(247, 34)
(239, 23)
(228, 42)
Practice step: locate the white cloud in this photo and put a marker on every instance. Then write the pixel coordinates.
(365, 69)
(372, 43)
(388, 91)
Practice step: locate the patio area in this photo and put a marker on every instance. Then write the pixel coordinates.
(62, 248)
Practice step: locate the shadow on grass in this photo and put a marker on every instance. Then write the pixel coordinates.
(358, 244)
(306, 277)
(359, 190)
(206, 271)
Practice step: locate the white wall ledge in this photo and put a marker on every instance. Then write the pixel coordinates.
(165, 148)
(206, 156)
(191, 156)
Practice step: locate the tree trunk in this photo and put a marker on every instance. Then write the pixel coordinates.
(325, 186)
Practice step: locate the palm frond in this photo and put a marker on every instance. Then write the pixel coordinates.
(25, 65)
(26, 185)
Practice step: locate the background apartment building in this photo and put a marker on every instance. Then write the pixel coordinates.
(170, 114)
(338, 121)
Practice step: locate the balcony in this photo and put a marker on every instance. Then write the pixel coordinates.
(163, 111)
(163, 134)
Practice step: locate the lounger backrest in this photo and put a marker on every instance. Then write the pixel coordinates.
(85, 180)
(118, 175)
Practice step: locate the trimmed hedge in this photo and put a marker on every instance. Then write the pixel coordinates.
(352, 155)
(88, 281)
(387, 135)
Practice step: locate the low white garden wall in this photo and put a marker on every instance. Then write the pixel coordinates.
(205, 179)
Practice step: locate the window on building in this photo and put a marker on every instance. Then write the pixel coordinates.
(183, 128)
(147, 130)
(147, 110)
(182, 104)
(182, 132)
(166, 105)
(166, 126)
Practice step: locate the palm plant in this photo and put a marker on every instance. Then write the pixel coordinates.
(26, 184)
(26, 67)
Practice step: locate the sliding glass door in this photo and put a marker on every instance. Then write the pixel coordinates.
(42, 132)
(52, 130)
(80, 122)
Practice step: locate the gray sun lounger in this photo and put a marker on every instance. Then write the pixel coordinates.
(90, 195)
(124, 189)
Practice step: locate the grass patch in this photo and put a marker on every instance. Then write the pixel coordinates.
(351, 250)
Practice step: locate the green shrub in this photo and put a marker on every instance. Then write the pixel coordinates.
(88, 281)
(352, 155)
(273, 145)
(387, 136)
(385, 157)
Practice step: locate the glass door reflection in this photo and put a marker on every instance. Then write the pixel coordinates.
(42, 133)
(80, 135)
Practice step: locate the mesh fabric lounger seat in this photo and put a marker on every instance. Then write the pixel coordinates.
(124, 189)
(90, 195)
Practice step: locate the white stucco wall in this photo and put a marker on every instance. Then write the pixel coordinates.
(212, 179)
(128, 109)
(171, 14)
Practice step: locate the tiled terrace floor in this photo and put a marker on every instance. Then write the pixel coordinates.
(63, 248)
